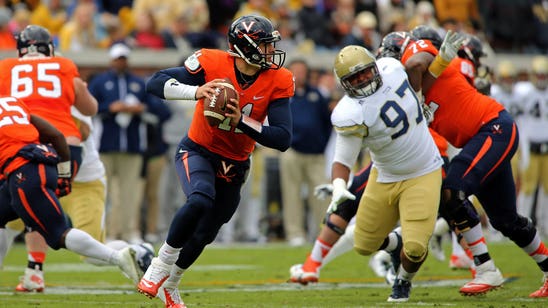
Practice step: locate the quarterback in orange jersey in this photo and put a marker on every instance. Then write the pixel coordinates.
(213, 162)
(29, 179)
(49, 86)
(488, 138)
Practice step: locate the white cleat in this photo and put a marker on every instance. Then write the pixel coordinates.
(380, 263)
(487, 278)
(32, 281)
(127, 262)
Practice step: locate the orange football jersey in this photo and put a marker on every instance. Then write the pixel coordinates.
(46, 85)
(224, 139)
(16, 131)
(459, 109)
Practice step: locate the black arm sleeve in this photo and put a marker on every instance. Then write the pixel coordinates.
(277, 134)
(155, 84)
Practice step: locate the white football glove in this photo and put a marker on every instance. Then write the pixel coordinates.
(451, 45)
(323, 191)
(340, 194)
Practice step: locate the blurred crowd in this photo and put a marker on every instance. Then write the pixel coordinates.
(305, 25)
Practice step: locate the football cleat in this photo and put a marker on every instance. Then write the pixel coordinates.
(462, 261)
(380, 263)
(299, 275)
(543, 291)
(400, 291)
(144, 255)
(487, 278)
(154, 277)
(127, 262)
(32, 281)
(169, 294)
(435, 248)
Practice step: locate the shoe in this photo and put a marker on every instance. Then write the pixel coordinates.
(487, 278)
(143, 256)
(299, 275)
(400, 291)
(435, 248)
(460, 262)
(170, 296)
(128, 264)
(543, 291)
(297, 242)
(154, 277)
(380, 263)
(32, 281)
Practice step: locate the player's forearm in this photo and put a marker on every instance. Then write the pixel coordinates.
(277, 134)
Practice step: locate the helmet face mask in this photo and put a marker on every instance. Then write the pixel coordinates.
(34, 40)
(394, 43)
(357, 71)
(472, 50)
(253, 39)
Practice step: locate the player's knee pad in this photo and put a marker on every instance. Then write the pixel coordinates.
(520, 230)
(332, 226)
(415, 251)
(458, 210)
(199, 202)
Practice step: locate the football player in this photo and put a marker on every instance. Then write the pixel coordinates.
(534, 142)
(213, 162)
(49, 86)
(29, 171)
(488, 138)
(380, 111)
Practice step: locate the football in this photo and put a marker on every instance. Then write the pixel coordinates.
(215, 108)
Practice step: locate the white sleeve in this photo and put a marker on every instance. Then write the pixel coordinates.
(175, 90)
(347, 149)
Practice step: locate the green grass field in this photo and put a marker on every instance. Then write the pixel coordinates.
(255, 276)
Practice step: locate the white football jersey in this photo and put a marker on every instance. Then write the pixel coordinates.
(534, 121)
(391, 124)
(509, 100)
(92, 167)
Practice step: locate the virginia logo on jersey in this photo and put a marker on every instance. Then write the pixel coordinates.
(224, 171)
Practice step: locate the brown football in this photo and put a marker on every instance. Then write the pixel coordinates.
(215, 108)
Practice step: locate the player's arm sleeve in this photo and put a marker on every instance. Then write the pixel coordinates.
(277, 134)
(175, 83)
(347, 148)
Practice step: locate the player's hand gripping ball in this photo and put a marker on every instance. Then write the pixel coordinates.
(216, 107)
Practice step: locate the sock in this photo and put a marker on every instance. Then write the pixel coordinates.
(83, 244)
(476, 242)
(457, 248)
(116, 245)
(342, 246)
(174, 277)
(537, 250)
(392, 242)
(7, 235)
(36, 259)
(320, 250)
(168, 254)
(404, 275)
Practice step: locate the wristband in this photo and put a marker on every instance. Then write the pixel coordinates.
(63, 169)
(437, 66)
